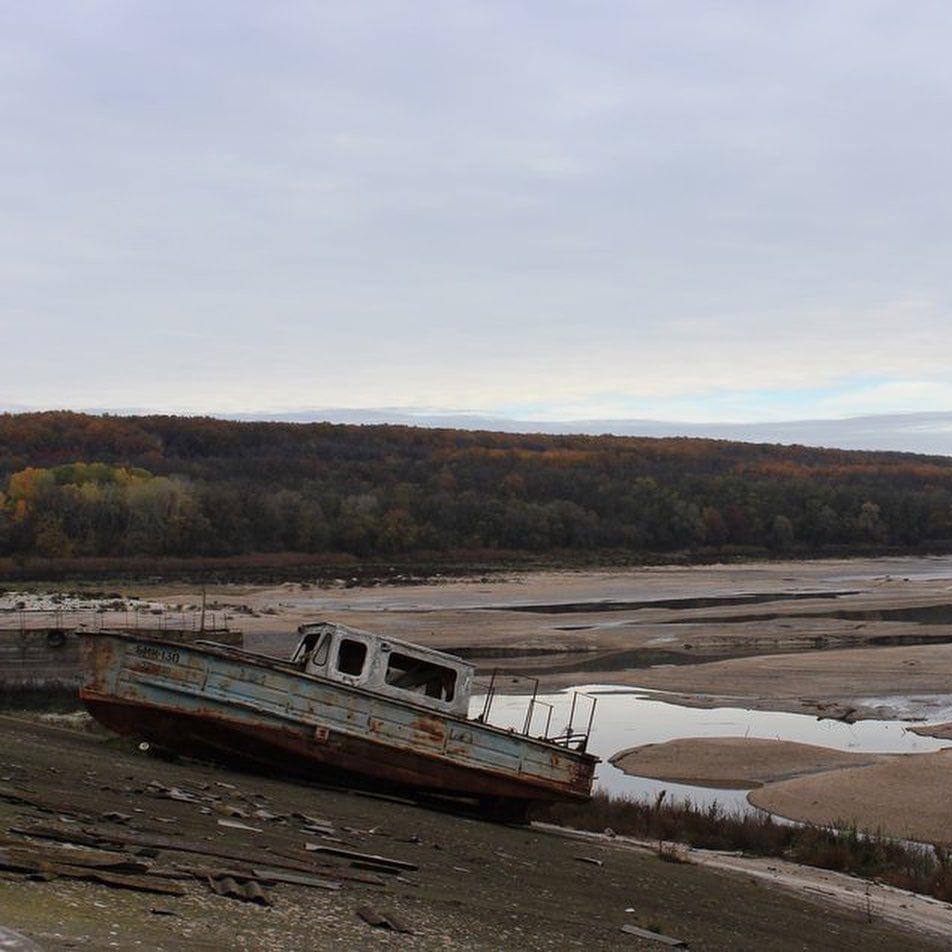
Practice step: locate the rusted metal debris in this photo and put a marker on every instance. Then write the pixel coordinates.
(383, 920)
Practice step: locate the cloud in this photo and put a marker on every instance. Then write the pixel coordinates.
(661, 208)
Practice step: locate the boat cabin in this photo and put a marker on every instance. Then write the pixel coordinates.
(393, 668)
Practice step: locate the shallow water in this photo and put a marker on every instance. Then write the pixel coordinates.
(707, 601)
(627, 717)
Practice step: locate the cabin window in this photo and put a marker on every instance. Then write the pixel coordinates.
(305, 650)
(351, 656)
(421, 677)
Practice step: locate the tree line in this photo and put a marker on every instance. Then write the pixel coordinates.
(81, 485)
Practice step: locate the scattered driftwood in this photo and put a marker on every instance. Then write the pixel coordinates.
(654, 937)
(236, 825)
(249, 891)
(229, 809)
(294, 879)
(314, 821)
(263, 875)
(378, 862)
(334, 870)
(45, 804)
(138, 883)
(151, 842)
(172, 793)
(589, 859)
(383, 920)
(44, 866)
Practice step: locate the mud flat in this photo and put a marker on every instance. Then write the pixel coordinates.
(734, 762)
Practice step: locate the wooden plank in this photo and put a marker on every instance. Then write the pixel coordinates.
(377, 861)
(272, 857)
(654, 937)
(294, 879)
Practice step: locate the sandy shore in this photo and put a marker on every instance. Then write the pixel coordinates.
(905, 796)
(733, 762)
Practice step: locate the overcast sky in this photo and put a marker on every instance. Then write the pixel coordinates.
(681, 210)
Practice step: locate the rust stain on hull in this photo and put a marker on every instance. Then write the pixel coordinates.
(204, 703)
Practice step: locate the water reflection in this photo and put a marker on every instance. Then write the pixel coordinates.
(627, 717)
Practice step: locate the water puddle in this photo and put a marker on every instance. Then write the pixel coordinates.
(711, 601)
(920, 615)
(627, 717)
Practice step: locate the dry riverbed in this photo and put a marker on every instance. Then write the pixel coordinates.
(162, 837)
(849, 639)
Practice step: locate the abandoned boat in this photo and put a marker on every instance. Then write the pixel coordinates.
(348, 706)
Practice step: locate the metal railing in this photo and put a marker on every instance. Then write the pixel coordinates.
(569, 736)
(133, 620)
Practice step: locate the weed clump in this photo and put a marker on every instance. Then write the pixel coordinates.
(919, 868)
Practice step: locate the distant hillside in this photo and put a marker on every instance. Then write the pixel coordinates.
(176, 486)
(923, 432)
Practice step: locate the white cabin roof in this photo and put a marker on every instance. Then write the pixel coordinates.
(450, 677)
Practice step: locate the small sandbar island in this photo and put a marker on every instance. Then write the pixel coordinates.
(739, 763)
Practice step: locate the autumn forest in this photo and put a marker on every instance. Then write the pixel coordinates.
(79, 486)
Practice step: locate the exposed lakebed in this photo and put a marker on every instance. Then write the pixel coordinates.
(626, 718)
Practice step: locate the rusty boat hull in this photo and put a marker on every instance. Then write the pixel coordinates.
(235, 707)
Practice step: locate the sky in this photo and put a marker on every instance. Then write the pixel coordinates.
(548, 210)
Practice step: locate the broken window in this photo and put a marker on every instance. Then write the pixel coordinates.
(421, 677)
(319, 654)
(351, 656)
(305, 650)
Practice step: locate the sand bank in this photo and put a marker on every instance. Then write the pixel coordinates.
(733, 762)
(905, 796)
(934, 730)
